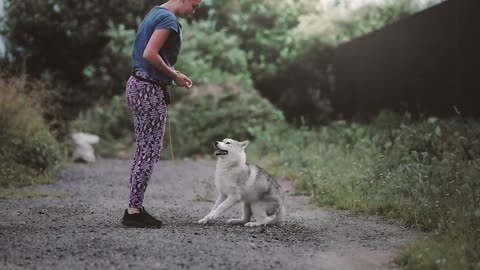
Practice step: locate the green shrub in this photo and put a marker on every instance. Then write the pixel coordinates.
(208, 50)
(454, 251)
(75, 45)
(426, 173)
(214, 112)
(41, 152)
(28, 150)
(262, 28)
(432, 167)
(108, 73)
(46, 33)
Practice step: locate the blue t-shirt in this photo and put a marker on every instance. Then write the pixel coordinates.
(157, 18)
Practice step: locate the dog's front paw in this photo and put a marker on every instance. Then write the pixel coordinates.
(252, 224)
(205, 220)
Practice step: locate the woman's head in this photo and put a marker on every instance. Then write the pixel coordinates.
(187, 7)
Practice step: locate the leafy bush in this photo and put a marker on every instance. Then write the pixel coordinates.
(261, 26)
(433, 167)
(27, 148)
(456, 250)
(108, 73)
(65, 36)
(66, 41)
(209, 55)
(214, 112)
(425, 173)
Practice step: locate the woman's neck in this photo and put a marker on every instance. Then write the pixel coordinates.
(172, 6)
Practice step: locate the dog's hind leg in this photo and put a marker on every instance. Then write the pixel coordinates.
(280, 217)
(276, 210)
(247, 214)
(259, 210)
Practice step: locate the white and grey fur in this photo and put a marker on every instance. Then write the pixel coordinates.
(236, 181)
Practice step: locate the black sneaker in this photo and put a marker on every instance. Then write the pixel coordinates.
(140, 220)
(158, 222)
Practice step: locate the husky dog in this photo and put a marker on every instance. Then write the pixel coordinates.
(236, 181)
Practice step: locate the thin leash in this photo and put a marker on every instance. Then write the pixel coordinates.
(170, 137)
(204, 180)
(170, 140)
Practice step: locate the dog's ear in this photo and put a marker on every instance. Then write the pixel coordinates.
(244, 144)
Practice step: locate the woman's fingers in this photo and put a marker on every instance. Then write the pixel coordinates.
(187, 82)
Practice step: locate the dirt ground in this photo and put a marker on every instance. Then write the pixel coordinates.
(82, 229)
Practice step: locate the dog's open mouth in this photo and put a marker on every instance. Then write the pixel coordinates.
(219, 152)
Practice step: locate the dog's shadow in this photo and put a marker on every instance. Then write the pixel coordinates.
(290, 231)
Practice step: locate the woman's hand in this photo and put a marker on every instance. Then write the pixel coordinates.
(182, 80)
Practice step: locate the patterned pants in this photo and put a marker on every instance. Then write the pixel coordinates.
(147, 102)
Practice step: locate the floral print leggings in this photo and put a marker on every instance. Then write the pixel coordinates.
(149, 108)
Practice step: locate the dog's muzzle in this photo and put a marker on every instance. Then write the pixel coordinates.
(218, 151)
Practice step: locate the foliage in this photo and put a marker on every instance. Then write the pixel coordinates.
(262, 27)
(289, 45)
(76, 27)
(108, 73)
(56, 40)
(283, 47)
(434, 165)
(235, 112)
(425, 173)
(28, 150)
(209, 55)
(456, 250)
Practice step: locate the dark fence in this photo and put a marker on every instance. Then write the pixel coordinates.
(425, 63)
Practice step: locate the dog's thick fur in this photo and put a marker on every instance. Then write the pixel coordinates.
(236, 181)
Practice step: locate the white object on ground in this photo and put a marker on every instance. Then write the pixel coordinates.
(84, 151)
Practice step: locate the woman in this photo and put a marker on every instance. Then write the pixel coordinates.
(155, 53)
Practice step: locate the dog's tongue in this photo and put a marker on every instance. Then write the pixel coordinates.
(220, 152)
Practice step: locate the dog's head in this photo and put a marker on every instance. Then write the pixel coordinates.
(230, 149)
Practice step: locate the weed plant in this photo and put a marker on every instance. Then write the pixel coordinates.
(28, 150)
(426, 173)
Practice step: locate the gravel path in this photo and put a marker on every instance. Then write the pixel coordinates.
(82, 229)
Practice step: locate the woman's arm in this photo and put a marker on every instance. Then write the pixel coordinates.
(150, 54)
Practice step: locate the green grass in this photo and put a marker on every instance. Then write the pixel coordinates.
(12, 193)
(425, 173)
(29, 152)
(445, 252)
(16, 185)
